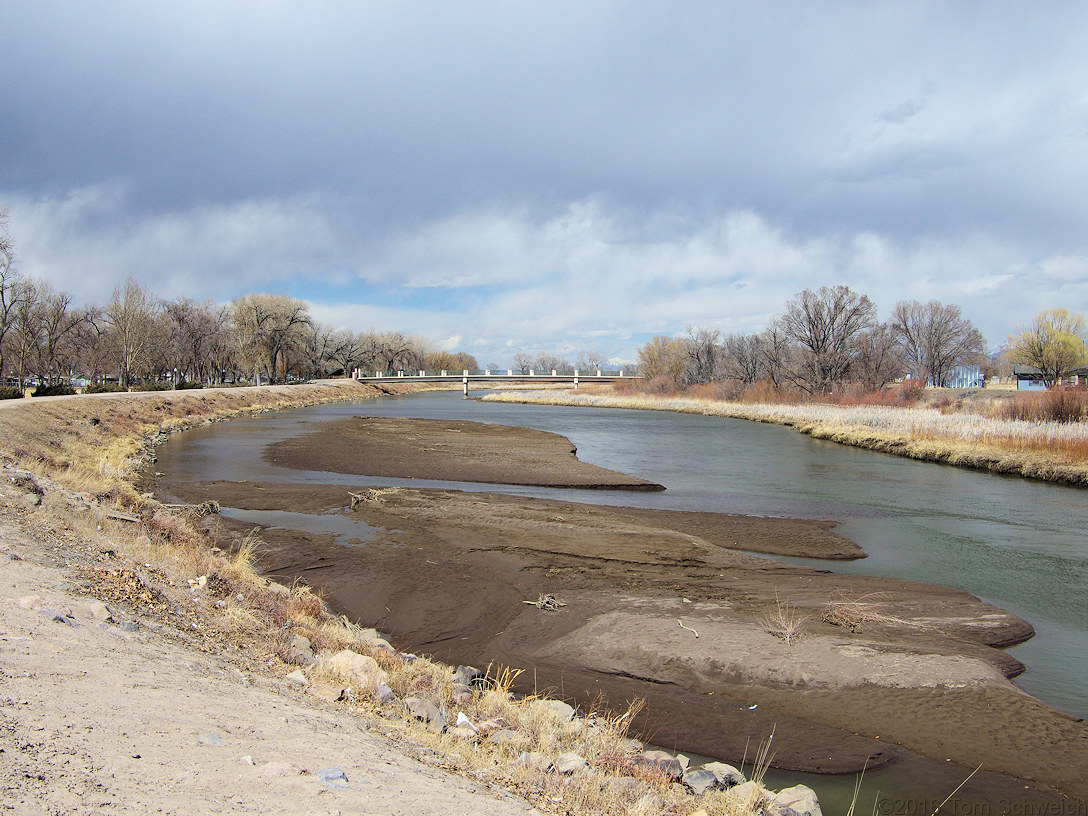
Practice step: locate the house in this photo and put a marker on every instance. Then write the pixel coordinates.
(1029, 378)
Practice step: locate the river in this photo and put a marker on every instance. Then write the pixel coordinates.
(1018, 544)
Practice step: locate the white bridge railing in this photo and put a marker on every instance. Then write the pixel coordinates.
(497, 375)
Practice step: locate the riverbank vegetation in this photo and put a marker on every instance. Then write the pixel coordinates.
(74, 464)
(828, 345)
(828, 367)
(959, 432)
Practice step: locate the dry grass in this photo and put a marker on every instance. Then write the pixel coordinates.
(784, 621)
(1046, 450)
(163, 563)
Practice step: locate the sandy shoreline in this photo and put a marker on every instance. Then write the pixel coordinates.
(447, 573)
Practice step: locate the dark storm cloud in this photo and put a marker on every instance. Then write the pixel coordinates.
(329, 139)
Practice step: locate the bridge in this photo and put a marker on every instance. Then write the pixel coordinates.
(496, 377)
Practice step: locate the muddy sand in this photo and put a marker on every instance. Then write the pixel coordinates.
(725, 646)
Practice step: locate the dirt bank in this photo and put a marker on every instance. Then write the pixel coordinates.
(119, 717)
(448, 573)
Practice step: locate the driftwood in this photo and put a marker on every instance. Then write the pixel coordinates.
(372, 495)
(117, 514)
(687, 628)
(548, 602)
(205, 508)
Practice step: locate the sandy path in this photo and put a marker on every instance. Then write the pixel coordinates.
(96, 719)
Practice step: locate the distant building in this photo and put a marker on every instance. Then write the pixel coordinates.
(1029, 378)
(966, 376)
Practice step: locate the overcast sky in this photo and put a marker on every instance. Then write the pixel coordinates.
(552, 176)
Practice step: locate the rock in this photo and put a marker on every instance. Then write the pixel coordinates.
(427, 712)
(748, 795)
(713, 776)
(211, 738)
(727, 775)
(272, 769)
(129, 626)
(29, 602)
(568, 763)
(384, 694)
(378, 643)
(662, 761)
(800, 800)
(326, 693)
(99, 611)
(300, 652)
(700, 781)
(461, 693)
(631, 745)
(507, 736)
(464, 732)
(58, 616)
(469, 676)
(298, 678)
(533, 759)
(358, 670)
(562, 711)
(30, 500)
(625, 786)
(333, 777)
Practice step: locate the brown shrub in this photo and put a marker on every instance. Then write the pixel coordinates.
(1054, 405)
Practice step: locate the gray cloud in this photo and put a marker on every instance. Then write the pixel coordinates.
(696, 163)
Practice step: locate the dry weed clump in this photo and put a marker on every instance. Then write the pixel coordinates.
(784, 620)
(853, 613)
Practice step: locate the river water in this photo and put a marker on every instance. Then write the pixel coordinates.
(1018, 544)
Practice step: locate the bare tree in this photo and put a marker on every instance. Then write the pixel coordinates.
(25, 332)
(522, 362)
(702, 355)
(878, 361)
(58, 323)
(270, 331)
(547, 363)
(825, 325)
(131, 314)
(193, 328)
(345, 350)
(742, 358)
(934, 338)
(776, 354)
(10, 284)
(590, 360)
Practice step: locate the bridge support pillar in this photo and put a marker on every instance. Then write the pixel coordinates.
(464, 382)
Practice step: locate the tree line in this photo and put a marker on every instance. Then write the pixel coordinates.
(137, 337)
(830, 340)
